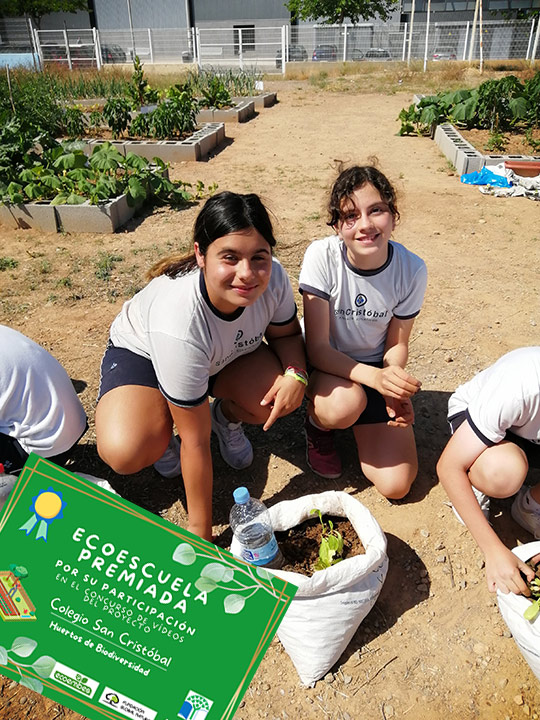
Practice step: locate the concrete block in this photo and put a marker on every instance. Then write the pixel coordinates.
(205, 115)
(148, 149)
(106, 217)
(38, 215)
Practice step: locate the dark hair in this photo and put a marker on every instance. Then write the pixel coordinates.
(221, 215)
(353, 178)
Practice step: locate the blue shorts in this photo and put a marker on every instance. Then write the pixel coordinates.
(531, 450)
(120, 367)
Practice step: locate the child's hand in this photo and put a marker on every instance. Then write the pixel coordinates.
(504, 571)
(401, 412)
(395, 382)
(285, 395)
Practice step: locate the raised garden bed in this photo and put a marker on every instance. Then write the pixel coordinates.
(105, 217)
(195, 147)
(465, 157)
(243, 110)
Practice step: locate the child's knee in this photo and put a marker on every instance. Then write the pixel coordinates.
(119, 455)
(340, 410)
(395, 483)
(500, 475)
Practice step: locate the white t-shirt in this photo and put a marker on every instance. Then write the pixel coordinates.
(363, 302)
(505, 396)
(38, 403)
(172, 322)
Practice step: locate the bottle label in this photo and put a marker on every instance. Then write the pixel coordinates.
(261, 555)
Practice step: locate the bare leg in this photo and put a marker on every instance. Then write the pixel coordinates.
(336, 403)
(133, 427)
(387, 457)
(500, 470)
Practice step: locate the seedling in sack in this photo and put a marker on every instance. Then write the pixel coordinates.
(331, 548)
(531, 613)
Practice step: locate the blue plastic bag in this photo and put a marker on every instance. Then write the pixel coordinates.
(485, 177)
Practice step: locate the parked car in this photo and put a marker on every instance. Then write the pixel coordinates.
(356, 54)
(297, 53)
(444, 54)
(377, 55)
(113, 54)
(325, 52)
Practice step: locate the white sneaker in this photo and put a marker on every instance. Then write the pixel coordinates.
(526, 512)
(483, 501)
(168, 465)
(234, 446)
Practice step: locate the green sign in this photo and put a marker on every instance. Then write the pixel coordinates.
(116, 613)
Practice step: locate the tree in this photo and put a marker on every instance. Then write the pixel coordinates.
(36, 9)
(336, 11)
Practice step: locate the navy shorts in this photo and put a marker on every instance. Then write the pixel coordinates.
(375, 411)
(120, 367)
(531, 450)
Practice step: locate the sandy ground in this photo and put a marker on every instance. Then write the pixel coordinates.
(434, 646)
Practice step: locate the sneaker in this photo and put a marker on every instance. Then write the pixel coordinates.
(483, 501)
(234, 446)
(321, 454)
(526, 512)
(168, 465)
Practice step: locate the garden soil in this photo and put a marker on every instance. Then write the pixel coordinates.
(434, 645)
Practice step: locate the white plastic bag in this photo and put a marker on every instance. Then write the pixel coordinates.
(103, 484)
(526, 633)
(330, 605)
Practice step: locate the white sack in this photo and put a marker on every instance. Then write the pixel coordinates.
(526, 633)
(103, 484)
(330, 605)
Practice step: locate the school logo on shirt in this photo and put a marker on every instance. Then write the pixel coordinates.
(239, 336)
(360, 300)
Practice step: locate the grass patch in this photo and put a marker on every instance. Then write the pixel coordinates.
(105, 264)
(8, 263)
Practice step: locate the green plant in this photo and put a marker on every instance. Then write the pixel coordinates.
(8, 263)
(74, 122)
(331, 548)
(139, 90)
(530, 141)
(215, 94)
(141, 124)
(105, 264)
(116, 113)
(496, 142)
(532, 612)
(95, 119)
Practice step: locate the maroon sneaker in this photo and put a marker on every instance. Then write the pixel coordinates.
(321, 453)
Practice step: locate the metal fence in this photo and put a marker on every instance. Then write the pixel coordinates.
(272, 48)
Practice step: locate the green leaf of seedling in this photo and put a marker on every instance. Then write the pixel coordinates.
(33, 190)
(233, 604)
(184, 554)
(73, 199)
(32, 683)
(204, 584)
(3, 655)
(70, 160)
(23, 646)
(44, 666)
(51, 181)
(136, 161)
(60, 199)
(217, 572)
(532, 611)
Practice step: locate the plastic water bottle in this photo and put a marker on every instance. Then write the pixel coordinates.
(254, 538)
(6, 485)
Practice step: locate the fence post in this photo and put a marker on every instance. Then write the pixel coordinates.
(198, 45)
(97, 48)
(68, 54)
(345, 38)
(240, 49)
(284, 49)
(410, 35)
(39, 48)
(466, 40)
(404, 49)
(536, 38)
(150, 46)
(530, 40)
(427, 35)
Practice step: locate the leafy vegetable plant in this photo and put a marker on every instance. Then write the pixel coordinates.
(331, 548)
(116, 113)
(532, 612)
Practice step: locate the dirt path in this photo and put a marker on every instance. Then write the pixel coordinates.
(435, 645)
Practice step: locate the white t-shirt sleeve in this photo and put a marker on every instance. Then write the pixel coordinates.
(411, 304)
(315, 273)
(182, 369)
(492, 412)
(285, 310)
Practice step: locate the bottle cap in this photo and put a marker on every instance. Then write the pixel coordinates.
(241, 495)
(1, 468)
